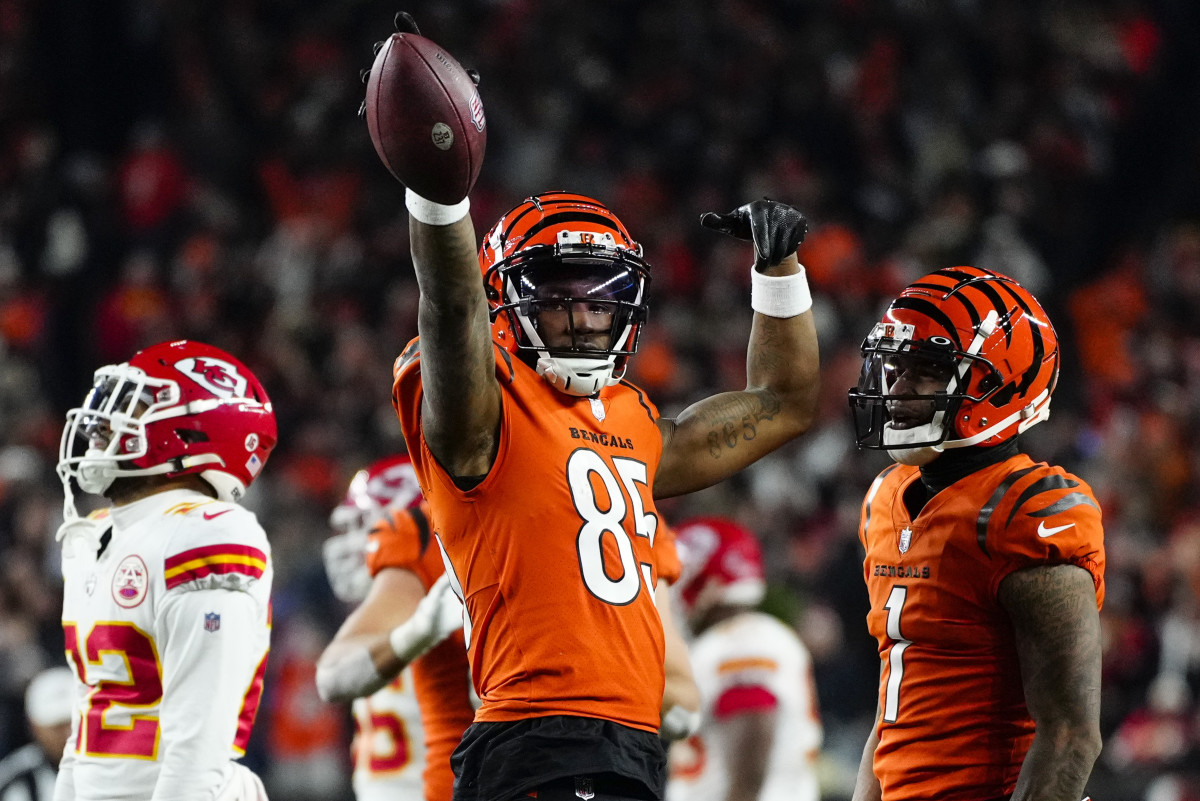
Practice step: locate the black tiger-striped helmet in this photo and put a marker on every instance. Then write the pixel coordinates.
(563, 239)
(983, 330)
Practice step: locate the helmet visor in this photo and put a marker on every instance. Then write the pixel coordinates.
(578, 300)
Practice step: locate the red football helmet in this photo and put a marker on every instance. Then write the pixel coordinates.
(982, 330)
(722, 564)
(390, 483)
(174, 409)
(554, 251)
(376, 490)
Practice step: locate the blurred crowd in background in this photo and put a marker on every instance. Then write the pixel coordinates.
(197, 169)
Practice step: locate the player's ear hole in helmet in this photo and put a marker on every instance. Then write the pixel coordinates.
(981, 350)
(566, 285)
(175, 408)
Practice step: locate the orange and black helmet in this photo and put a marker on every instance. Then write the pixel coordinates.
(987, 334)
(560, 239)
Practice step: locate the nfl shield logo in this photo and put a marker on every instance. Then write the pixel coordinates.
(905, 539)
(212, 621)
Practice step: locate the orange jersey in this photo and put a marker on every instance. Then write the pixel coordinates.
(953, 723)
(554, 551)
(669, 566)
(440, 678)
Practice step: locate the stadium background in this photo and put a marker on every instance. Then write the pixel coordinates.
(196, 169)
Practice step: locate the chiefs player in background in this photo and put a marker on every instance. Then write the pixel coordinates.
(541, 464)
(985, 569)
(166, 595)
(400, 654)
(759, 733)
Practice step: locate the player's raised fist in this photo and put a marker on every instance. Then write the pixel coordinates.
(775, 228)
(425, 115)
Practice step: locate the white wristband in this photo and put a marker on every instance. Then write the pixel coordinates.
(352, 676)
(432, 213)
(411, 639)
(678, 723)
(780, 295)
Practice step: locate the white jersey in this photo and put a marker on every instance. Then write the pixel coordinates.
(737, 661)
(389, 744)
(167, 630)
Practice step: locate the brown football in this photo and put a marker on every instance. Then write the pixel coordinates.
(425, 118)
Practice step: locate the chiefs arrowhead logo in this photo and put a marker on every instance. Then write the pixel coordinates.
(216, 375)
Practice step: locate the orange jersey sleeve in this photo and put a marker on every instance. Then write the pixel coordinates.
(554, 550)
(403, 540)
(953, 721)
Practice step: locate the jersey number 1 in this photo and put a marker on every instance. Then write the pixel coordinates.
(894, 607)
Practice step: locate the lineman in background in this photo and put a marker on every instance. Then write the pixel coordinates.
(759, 732)
(400, 655)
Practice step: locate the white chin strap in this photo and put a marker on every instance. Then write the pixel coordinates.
(914, 456)
(1033, 413)
(95, 474)
(577, 376)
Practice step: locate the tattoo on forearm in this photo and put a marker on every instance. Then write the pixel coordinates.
(738, 422)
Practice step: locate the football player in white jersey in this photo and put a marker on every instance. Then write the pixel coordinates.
(759, 733)
(166, 603)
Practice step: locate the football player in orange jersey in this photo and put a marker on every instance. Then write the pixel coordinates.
(541, 465)
(985, 569)
(407, 721)
(381, 545)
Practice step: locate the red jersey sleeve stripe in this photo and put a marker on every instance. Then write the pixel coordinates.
(224, 549)
(200, 562)
(209, 568)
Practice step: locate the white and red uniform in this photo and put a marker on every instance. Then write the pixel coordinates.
(389, 744)
(750, 662)
(167, 630)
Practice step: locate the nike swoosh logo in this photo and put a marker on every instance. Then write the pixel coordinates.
(1050, 532)
(211, 515)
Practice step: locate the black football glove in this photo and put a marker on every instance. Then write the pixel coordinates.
(775, 228)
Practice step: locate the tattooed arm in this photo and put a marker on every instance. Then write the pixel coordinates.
(460, 413)
(1057, 626)
(716, 437)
